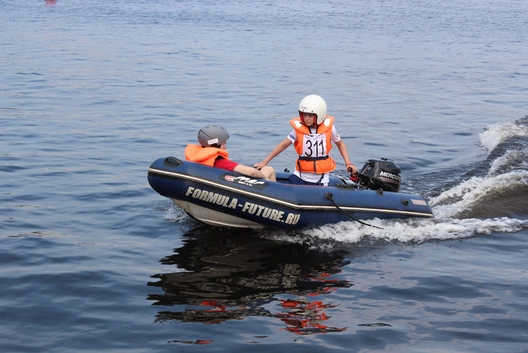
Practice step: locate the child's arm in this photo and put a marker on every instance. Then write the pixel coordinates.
(344, 153)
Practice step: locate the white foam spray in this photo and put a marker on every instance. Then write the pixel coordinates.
(451, 203)
(500, 132)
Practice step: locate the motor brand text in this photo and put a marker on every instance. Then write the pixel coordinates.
(390, 176)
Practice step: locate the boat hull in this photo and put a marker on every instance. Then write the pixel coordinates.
(222, 198)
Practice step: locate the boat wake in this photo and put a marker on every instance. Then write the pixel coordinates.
(490, 197)
(502, 189)
(417, 231)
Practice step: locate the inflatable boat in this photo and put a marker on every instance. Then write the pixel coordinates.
(222, 198)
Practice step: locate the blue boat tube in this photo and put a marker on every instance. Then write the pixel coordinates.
(222, 198)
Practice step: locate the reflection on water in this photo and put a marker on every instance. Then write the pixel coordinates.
(225, 275)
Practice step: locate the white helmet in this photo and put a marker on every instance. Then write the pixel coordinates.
(313, 104)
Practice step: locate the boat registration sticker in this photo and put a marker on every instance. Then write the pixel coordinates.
(418, 202)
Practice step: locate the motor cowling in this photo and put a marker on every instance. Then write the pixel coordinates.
(380, 174)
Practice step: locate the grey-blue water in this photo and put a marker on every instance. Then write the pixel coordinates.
(92, 259)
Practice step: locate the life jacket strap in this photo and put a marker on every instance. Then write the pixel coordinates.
(308, 158)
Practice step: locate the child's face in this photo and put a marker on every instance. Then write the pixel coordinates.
(309, 118)
(223, 145)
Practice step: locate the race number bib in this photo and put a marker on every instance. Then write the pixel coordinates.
(314, 145)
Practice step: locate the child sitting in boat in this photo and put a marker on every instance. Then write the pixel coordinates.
(212, 152)
(312, 136)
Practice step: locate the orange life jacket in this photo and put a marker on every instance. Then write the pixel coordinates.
(204, 155)
(314, 149)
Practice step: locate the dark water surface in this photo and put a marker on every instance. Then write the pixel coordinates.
(92, 259)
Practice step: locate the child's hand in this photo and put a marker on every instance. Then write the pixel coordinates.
(259, 165)
(351, 168)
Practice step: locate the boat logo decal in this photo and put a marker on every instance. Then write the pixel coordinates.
(243, 180)
(250, 208)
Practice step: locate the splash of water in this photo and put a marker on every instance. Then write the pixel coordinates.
(496, 202)
(496, 134)
(417, 230)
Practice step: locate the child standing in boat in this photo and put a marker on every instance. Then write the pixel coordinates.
(212, 152)
(312, 136)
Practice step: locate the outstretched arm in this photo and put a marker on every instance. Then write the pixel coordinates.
(277, 150)
(344, 153)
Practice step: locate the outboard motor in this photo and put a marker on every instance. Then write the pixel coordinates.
(380, 174)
